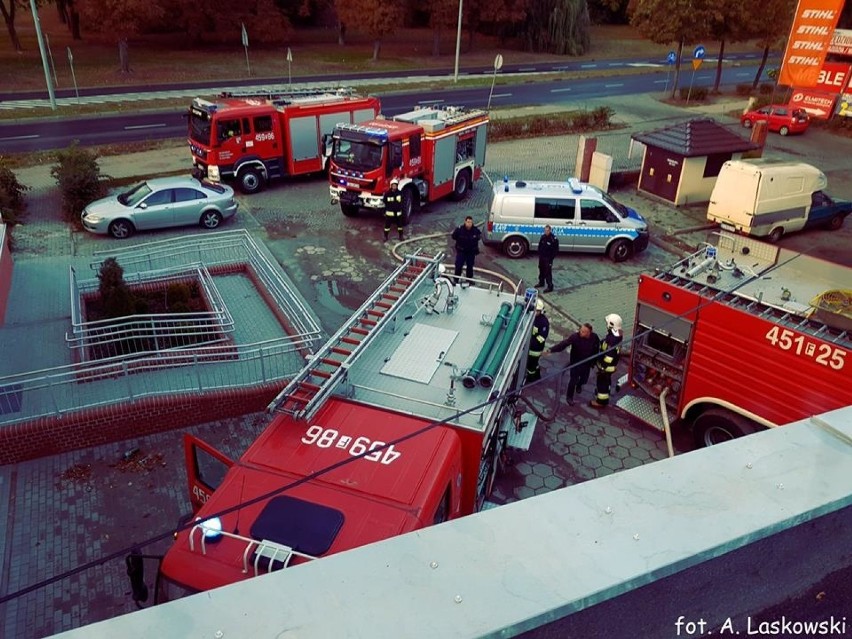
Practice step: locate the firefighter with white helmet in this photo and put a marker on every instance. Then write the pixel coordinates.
(393, 208)
(540, 331)
(610, 352)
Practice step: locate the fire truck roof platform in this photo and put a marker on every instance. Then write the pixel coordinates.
(718, 534)
(411, 348)
(807, 292)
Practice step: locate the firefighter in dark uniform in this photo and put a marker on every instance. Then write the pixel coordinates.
(540, 330)
(607, 361)
(393, 208)
(548, 247)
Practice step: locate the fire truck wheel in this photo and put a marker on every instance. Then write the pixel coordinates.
(349, 210)
(775, 234)
(121, 229)
(620, 250)
(211, 219)
(717, 425)
(251, 181)
(462, 185)
(407, 205)
(515, 247)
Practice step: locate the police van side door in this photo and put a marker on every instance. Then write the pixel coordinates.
(560, 213)
(596, 226)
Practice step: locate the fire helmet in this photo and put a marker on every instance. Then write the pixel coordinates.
(539, 305)
(395, 181)
(613, 323)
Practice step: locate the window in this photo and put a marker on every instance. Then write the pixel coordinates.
(159, 197)
(780, 111)
(395, 157)
(442, 513)
(714, 162)
(414, 146)
(263, 124)
(555, 209)
(226, 129)
(595, 211)
(246, 126)
(188, 195)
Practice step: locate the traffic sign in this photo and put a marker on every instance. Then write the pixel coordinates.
(671, 58)
(699, 52)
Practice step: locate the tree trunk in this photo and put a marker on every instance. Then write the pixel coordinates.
(123, 55)
(377, 48)
(62, 11)
(761, 67)
(341, 33)
(677, 68)
(75, 24)
(9, 17)
(719, 66)
(436, 41)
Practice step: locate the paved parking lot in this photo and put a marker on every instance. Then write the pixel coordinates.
(77, 507)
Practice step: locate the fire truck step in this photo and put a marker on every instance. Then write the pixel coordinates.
(642, 408)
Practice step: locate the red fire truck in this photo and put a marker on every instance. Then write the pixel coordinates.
(432, 152)
(253, 138)
(741, 336)
(398, 422)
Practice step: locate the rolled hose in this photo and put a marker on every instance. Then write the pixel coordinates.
(486, 379)
(472, 376)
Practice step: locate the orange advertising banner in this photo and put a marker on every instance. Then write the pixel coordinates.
(810, 37)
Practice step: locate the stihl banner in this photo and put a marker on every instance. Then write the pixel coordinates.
(813, 28)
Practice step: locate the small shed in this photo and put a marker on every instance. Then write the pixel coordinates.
(681, 162)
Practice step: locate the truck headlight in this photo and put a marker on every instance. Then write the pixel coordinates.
(213, 173)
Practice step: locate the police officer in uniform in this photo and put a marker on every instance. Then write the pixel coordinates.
(393, 208)
(467, 238)
(540, 331)
(548, 248)
(607, 361)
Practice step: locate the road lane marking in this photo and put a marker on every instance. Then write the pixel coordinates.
(430, 101)
(20, 137)
(613, 86)
(501, 95)
(527, 69)
(145, 126)
(559, 90)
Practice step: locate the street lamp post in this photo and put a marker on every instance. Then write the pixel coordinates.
(458, 42)
(41, 48)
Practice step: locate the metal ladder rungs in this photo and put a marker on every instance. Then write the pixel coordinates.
(376, 313)
(350, 340)
(341, 351)
(359, 330)
(367, 321)
(330, 362)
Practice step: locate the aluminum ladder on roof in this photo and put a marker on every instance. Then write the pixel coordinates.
(307, 392)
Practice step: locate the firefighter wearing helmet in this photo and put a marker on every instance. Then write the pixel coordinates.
(393, 208)
(610, 352)
(540, 330)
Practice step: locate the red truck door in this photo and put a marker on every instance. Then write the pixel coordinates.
(205, 469)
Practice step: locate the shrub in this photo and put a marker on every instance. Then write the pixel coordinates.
(12, 203)
(79, 178)
(116, 298)
(744, 90)
(696, 94)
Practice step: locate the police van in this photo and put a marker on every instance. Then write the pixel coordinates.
(584, 218)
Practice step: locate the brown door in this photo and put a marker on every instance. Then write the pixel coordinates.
(661, 173)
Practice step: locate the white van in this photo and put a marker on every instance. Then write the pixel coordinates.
(584, 218)
(767, 198)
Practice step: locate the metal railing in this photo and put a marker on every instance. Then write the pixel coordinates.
(146, 373)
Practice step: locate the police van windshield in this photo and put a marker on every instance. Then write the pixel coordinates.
(358, 156)
(199, 127)
(617, 206)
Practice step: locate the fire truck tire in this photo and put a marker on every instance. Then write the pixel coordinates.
(775, 234)
(251, 181)
(461, 188)
(717, 425)
(121, 229)
(210, 219)
(515, 247)
(349, 210)
(407, 205)
(620, 250)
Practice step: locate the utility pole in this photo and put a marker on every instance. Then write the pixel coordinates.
(44, 62)
(458, 43)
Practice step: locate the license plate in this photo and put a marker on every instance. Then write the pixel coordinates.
(728, 227)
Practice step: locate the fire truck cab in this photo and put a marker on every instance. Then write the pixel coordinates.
(740, 336)
(398, 422)
(433, 153)
(253, 138)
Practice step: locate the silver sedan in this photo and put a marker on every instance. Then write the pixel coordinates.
(159, 204)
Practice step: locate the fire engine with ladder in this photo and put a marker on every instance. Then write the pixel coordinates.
(398, 422)
(741, 336)
(433, 152)
(255, 137)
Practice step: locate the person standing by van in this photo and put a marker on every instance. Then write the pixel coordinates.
(607, 361)
(548, 248)
(467, 248)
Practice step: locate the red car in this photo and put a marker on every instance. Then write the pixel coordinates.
(782, 118)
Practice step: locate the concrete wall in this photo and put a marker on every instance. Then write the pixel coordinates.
(5, 270)
(694, 187)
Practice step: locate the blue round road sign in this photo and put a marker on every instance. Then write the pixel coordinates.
(672, 57)
(698, 54)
